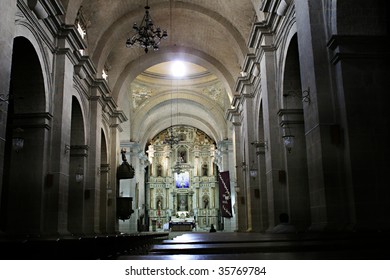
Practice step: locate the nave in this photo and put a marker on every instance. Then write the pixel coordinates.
(282, 108)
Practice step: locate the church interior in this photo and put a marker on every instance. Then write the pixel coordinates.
(130, 128)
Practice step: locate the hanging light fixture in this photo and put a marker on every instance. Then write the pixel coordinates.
(79, 174)
(146, 36)
(288, 141)
(172, 139)
(17, 140)
(288, 138)
(17, 143)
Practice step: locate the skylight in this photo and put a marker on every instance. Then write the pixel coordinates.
(178, 69)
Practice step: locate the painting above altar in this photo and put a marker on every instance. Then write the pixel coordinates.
(182, 180)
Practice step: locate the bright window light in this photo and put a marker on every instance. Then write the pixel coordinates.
(104, 75)
(81, 30)
(178, 69)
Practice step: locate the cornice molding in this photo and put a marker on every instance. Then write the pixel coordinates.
(234, 116)
(33, 120)
(347, 47)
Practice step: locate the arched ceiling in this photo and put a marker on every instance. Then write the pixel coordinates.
(211, 34)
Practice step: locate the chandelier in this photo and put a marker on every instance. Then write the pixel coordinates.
(171, 139)
(146, 36)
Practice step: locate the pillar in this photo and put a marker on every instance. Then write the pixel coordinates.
(56, 194)
(92, 200)
(327, 191)
(7, 31)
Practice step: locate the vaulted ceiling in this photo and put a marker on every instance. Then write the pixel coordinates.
(209, 34)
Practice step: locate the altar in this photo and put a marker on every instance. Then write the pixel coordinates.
(182, 222)
(181, 226)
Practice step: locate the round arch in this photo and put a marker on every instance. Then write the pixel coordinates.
(27, 119)
(162, 119)
(134, 68)
(120, 27)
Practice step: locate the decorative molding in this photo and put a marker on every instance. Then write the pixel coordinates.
(33, 120)
(346, 47)
(33, 24)
(104, 168)
(291, 117)
(79, 150)
(234, 116)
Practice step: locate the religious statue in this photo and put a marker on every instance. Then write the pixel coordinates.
(205, 203)
(205, 170)
(182, 156)
(159, 170)
(158, 207)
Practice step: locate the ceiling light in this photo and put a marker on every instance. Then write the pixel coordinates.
(178, 69)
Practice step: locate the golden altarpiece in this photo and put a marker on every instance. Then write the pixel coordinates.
(182, 183)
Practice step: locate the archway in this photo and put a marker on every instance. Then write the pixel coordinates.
(184, 183)
(25, 168)
(78, 154)
(261, 148)
(292, 122)
(105, 188)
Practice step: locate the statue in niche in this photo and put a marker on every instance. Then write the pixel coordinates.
(159, 205)
(205, 202)
(159, 170)
(182, 156)
(205, 169)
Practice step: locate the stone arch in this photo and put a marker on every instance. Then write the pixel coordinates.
(261, 149)
(116, 30)
(77, 165)
(292, 123)
(27, 118)
(135, 67)
(25, 30)
(104, 170)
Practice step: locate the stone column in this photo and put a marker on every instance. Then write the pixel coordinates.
(174, 203)
(240, 201)
(327, 199)
(7, 31)
(211, 161)
(56, 195)
(196, 160)
(276, 185)
(251, 183)
(167, 196)
(360, 61)
(190, 202)
(105, 195)
(112, 225)
(92, 202)
(153, 166)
